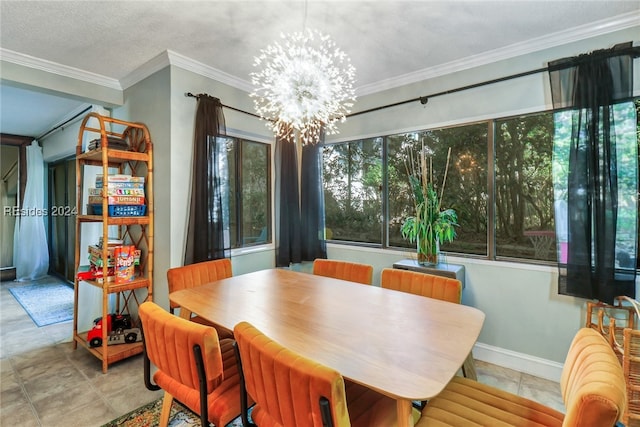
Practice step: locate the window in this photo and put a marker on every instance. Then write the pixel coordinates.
(627, 129)
(357, 211)
(352, 174)
(499, 181)
(524, 219)
(465, 186)
(249, 192)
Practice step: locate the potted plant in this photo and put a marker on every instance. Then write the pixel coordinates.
(431, 225)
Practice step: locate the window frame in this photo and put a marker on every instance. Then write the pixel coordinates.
(238, 139)
(491, 252)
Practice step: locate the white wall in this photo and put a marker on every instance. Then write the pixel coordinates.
(149, 102)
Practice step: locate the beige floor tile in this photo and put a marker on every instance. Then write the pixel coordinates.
(542, 390)
(21, 415)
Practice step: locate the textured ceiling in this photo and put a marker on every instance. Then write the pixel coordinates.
(386, 40)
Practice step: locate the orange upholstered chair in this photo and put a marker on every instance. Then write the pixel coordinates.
(293, 391)
(432, 286)
(192, 275)
(592, 385)
(194, 367)
(351, 271)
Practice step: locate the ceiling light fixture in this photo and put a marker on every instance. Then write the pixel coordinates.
(305, 84)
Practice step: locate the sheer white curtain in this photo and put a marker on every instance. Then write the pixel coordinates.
(30, 251)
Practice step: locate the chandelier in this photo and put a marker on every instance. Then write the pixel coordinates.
(305, 84)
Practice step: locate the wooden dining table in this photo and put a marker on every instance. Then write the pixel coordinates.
(405, 346)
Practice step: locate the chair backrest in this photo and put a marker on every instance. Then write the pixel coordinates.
(169, 342)
(351, 271)
(286, 386)
(427, 285)
(192, 275)
(592, 383)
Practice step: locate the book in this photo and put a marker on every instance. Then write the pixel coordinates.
(124, 268)
(95, 256)
(118, 191)
(117, 200)
(123, 184)
(120, 178)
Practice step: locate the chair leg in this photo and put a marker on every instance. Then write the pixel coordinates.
(166, 409)
(244, 410)
(469, 368)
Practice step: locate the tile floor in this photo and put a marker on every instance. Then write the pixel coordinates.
(44, 382)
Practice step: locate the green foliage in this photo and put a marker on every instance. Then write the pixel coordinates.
(430, 225)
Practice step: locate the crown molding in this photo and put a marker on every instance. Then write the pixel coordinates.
(210, 72)
(150, 67)
(169, 57)
(58, 69)
(620, 22)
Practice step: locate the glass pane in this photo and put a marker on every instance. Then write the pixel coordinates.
(465, 184)
(255, 193)
(352, 174)
(525, 225)
(231, 189)
(626, 134)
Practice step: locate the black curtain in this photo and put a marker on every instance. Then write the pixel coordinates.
(312, 202)
(588, 87)
(205, 230)
(288, 202)
(300, 213)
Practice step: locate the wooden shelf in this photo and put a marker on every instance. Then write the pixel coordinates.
(133, 230)
(114, 156)
(113, 287)
(115, 353)
(115, 220)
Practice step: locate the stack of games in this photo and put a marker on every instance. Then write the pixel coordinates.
(125, 195)
(121, 262)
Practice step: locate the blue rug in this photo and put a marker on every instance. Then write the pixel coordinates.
(46, 303)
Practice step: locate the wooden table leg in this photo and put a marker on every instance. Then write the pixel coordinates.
(469, 368)
(404, 409)
(185, 314)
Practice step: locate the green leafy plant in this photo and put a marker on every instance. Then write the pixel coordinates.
(430, 225)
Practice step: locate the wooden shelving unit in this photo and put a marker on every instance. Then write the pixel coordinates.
(133, 230)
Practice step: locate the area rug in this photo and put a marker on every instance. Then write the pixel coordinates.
(46, 303)
(149, 415)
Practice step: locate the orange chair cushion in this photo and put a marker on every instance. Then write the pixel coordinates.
(351, 271)
(192, 275)
(169, 342)
(466, 402)
(427, 285)
(287, 388)
(592, 384)
(223, 401)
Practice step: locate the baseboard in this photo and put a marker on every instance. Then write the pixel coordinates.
(521, 362)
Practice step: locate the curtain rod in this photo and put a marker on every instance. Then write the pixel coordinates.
(62, 125)
(634, 51)
(190, 95)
